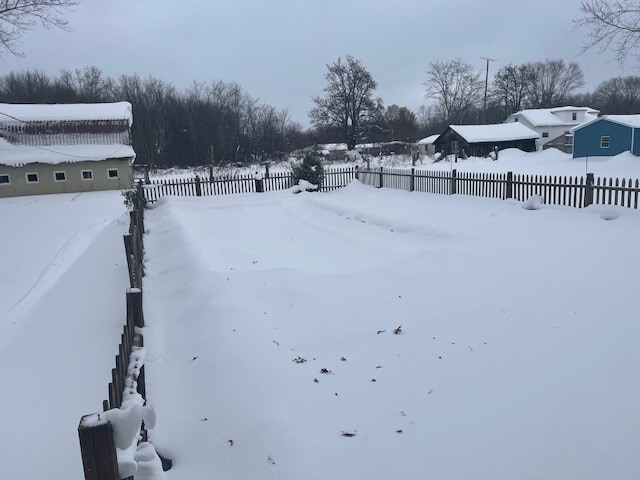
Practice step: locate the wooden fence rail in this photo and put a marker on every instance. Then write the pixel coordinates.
(555, 190)
(96, 441)
(334, 178)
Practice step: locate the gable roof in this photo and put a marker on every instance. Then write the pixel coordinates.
(632, 121)
(14, 112)
(500, 132)
(428, 140)
(545, 117)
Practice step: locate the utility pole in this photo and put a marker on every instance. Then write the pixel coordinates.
(486, 86)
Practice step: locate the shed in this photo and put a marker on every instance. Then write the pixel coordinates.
(63, 148)
(427, 146)
(479, 140)
(607, 136)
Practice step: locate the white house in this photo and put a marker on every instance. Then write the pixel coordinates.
(553, 124)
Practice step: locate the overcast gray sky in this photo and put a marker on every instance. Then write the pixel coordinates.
(278, 49)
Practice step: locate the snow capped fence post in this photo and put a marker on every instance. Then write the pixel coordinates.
(588, 190)
(381, 178)
(198, 187)
(509, 186)
(259, 180)
(454, 177)
(412, 179)
(98, 450)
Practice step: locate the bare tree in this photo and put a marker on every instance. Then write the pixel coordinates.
(619, 95)
(612, 24)
(549, 83)
(349, 103)
(509, 88)
(19, 16)
(455, 87)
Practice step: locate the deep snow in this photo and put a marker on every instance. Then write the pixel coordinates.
(63, 277)
(517, 355)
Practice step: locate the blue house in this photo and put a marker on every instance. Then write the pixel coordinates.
(607, 136)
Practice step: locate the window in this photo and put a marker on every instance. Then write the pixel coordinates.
(604, 141)
(87, 174)
(112, 173)
(59, 176)
(545, 134)
(31, 177)
(574, 116)
(4, 180)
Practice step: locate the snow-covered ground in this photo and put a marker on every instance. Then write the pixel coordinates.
(374, 334)
(546, 162)
(63, 277)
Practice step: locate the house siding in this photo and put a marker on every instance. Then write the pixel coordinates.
(586, 140)
(73, 171)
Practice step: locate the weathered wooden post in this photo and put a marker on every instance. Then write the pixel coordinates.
(454, 175)
(412, 179)
(259, 184)
(266, 170)
(198, 187)
(128, 249)
(509, 186)
(147, 180)
(588, 190)
(381, 177)
(97, 449)
(356, 173)
(134, 306)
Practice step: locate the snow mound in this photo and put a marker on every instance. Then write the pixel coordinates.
(534, 202)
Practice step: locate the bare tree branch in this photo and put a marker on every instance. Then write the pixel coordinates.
(612, 25)
(20, 16)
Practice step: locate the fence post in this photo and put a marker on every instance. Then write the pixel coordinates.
(98, 451)
(356, 173)
(134, 306)
(147, 180)
(381, 178)
(259, 185)
(128, 249)
(266, 170)
(454, 175)
(198, 187)
(509, 189)
(588, 190)
(412, 179)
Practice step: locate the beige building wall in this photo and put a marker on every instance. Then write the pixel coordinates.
(112, 174)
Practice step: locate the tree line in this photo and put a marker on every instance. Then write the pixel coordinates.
(219, 123)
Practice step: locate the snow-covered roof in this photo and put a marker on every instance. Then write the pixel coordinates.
(501, 132)
(14, 112)
(19, 155)
(540, 117)
(632, 121)
(629, 120)
(428, 140)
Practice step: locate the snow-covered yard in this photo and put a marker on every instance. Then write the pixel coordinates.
(546, 162)
(376, 334)
(63, 276)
